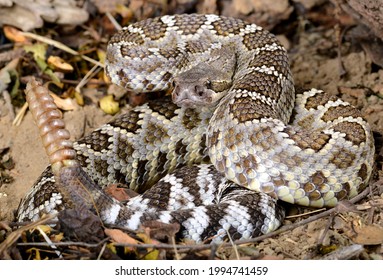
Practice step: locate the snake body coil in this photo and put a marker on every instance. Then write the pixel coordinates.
(238, 110)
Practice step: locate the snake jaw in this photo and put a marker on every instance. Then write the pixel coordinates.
(191, 96)
(202, 85)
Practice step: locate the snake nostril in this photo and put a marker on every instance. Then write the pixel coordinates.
(199, 91)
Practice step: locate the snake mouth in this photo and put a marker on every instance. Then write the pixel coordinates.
(189, 103)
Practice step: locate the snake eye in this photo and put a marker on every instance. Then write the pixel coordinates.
(208, 84)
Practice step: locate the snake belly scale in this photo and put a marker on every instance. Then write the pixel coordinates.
(253, 138)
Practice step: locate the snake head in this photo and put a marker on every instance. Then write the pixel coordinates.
(202, 85)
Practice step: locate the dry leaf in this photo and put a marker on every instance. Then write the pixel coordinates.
(45, 228)
(159, 230)
(108, 105)
(66, 104)
(77, 96)
(57, 237)
(119, 236)
(368, 235)
(101, 54)
(35, 252)
(118, 193)
(152, 254)
(14, 35)
(111, 247)
(57, 63)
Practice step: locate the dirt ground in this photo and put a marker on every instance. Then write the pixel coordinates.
(315, 63)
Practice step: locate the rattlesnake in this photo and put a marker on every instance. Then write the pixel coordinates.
(238, 110)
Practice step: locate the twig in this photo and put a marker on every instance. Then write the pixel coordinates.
(89, 75)
(113, 21)
(233, 245)
(345, 253)
(176, 254)
(327, 228)
(61, 47)
(213, 250)
(306, 214)
(20, 115)
(101, 251)
(47, 239)
(66, 244)
(13, 236)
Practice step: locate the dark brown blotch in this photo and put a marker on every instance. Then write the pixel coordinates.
(355, 132)
(124, 149)
(309, 187)
(101, 167)
(164, 107)
(259, 39)
(315, 195)
(227, 26)
(189, 24)
(318, 179)
(180, 148)
(342, 194)
(342, 158)
(153, 28)
(346, 186)
(97, 140)
(191, 119)
(262, 83)
(246, 109)
(319, 99)
(363, 172)
(128, 121)
(142, 175)
(171, 53)
(127, 36)
(307, 139)
(335, 112)
(277, 58)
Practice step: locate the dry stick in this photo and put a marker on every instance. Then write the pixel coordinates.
(234, 246)
(89, 75)
(173, 242)
(326, 229)
(47, 239)
(305, 214)
(113, 21)
(344, 253)
(61, 47)
(102, 251)
(20, 115)
(15, 235)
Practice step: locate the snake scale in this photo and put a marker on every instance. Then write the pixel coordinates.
(234, 137)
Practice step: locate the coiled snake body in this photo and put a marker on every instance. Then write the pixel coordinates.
(238, 110)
